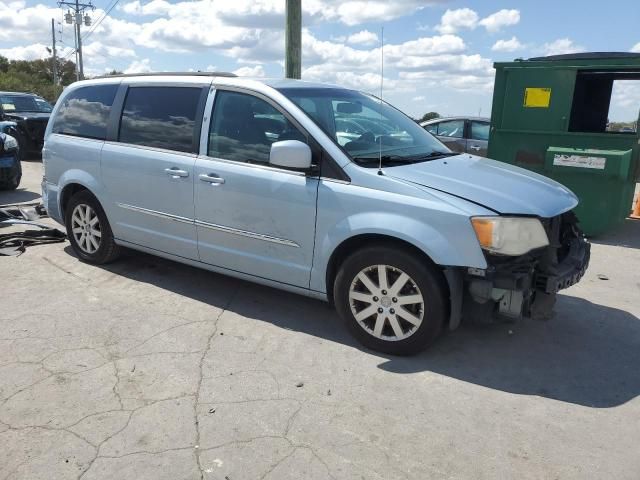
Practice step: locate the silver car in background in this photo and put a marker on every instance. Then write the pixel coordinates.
(461, 134)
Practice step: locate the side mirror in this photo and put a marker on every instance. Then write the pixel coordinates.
(290, 154)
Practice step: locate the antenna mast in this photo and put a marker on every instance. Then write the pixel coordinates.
(381, 86)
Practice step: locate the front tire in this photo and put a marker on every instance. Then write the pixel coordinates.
(89, 231)
(392, 301)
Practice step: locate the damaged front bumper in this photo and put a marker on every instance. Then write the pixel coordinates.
(526, 286)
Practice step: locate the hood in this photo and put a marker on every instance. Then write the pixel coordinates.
(501, 187)
(28, 116)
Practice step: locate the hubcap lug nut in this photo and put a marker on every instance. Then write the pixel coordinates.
(384, 292)
(375, 299)
(380, 310)
(394, 299)
(392, 311)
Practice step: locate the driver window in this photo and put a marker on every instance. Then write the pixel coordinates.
(244, 127)
(452, 128)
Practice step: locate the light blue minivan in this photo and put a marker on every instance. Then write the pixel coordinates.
(268, 182)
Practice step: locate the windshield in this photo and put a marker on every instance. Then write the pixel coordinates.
(365, 127)
(16, 103)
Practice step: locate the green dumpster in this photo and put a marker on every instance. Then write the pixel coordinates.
(551, 115)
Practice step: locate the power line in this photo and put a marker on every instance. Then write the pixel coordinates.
(101, 19)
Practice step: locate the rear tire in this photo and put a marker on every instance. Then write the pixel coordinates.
(391, 300)
(89, 231)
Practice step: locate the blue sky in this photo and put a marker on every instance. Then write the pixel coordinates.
(438, 53)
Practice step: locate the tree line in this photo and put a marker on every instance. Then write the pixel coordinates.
(36, 76)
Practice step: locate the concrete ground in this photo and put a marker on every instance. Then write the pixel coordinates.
(148, 369)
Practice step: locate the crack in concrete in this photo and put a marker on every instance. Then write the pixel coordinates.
(209, 345)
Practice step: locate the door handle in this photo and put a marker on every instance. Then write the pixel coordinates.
(211, 178)
(176, 172)
(475, 148)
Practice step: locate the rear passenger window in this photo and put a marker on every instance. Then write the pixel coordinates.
(243, 127)
(479, 131)
(432, 128)
(452, 128)
(161, 117)
(85, 112)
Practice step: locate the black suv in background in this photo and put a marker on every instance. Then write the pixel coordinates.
(31, 114)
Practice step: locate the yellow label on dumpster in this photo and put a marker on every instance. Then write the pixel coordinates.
(537, 97)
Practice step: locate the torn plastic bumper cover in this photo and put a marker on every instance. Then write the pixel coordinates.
(15, 242)
(526, 286)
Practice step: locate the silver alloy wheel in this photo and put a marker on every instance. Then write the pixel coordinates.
(85, 227)
(386, 302)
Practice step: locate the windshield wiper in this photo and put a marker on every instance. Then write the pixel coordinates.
(386, 160)
(391, 159)
(434, 155)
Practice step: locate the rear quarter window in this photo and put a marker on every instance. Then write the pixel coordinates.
(85, 112)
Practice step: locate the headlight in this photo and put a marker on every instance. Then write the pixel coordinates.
(10, 142)
(509, 235)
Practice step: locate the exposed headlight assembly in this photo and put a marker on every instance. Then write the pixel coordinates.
(509, 235)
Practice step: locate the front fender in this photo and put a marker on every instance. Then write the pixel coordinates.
(453, 245)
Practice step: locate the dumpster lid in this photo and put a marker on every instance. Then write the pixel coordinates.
(586, 56)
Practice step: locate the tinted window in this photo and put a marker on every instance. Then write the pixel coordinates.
(161, 117)
(452, 128)
(479, 130)
(243, 128)
(85, 112)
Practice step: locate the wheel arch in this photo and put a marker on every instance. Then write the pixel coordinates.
(357, 242)
(69, 191)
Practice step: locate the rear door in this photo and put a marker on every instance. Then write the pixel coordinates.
(252, 217)
(478, 137)
(451, 133)
(148, 168)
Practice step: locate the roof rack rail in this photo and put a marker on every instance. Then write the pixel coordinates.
(171, 74)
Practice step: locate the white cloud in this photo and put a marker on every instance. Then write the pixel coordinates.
(101, 53)
(364, 37)
(355, 12)
(251, 33)
(18, 23)
(625, 98)
(139, 66)
(454, 20)
(256, 71)
(29, 52)
(154, 7)
(511, 45)
(503, 18)
(464, 64)
(561, 46)
(419, 98)
(270, 13)
(636, 48)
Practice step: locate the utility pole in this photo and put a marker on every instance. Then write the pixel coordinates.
(78, 22)
(77, 18)
(55, 57)
(293, 39)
